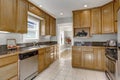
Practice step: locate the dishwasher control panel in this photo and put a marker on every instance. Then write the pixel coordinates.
(27, 55)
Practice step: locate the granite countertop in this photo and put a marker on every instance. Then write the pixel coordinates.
(23, 50)
(101, 44)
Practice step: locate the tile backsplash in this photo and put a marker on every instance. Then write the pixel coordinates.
(96, 38)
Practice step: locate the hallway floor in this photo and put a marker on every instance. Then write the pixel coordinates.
(62, 70)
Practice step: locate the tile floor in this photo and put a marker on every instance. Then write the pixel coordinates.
(62, 70)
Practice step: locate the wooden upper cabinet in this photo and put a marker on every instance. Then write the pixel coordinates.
(107, 18)
(47, 24)
(85, 18)
(8, 15)
(96, 21)
(22, 16)
(52, 26)
(76, 19)
(116, 7)
(36, 10)
(81, 18)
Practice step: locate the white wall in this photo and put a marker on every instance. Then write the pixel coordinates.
(19, 38)
(5, 36)
(64, 20)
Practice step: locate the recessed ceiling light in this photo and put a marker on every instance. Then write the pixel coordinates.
(85, 5)
(61, 13)
(40, 5)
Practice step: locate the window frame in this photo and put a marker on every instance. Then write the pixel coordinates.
(37, 22)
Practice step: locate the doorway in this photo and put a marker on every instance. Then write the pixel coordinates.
(65, 37)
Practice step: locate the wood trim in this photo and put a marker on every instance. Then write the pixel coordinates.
(41, 9)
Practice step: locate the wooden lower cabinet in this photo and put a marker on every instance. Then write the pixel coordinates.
(14, 78)
(41, 59)
(99, 60)
(8, 71)
(89, 58)
(9, 67)
(47, 57)
(76, 57)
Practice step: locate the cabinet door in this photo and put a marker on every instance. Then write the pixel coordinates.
(85, 18)
(87, 59)
(47, 57)
(76, 19)
(41, 60)
(8, 71)
(96, 21)
(99, 58)
(52, 26)
(76, 57)
(116, 7)
(107, 18)
(8, 15)
(22, 16)
(47, 25)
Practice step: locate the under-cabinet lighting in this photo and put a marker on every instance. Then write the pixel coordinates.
(3, 32)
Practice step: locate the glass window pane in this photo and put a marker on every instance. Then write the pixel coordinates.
(31, 34)
(31, 25)
(33, 29)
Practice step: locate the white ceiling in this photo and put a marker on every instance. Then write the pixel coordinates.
(55, 7)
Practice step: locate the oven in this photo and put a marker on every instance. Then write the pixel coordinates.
(111, 63)
(110, 68)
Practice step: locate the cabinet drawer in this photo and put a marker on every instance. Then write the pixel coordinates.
(41, 51)
(76, 48)
(87, 49)
(8, 60)
(8, 71)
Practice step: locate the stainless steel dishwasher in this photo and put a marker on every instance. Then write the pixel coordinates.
(28, 65)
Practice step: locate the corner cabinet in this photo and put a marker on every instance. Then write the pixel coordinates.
(96, 21)
(108, 18)
(22, 16)
(8, 15)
